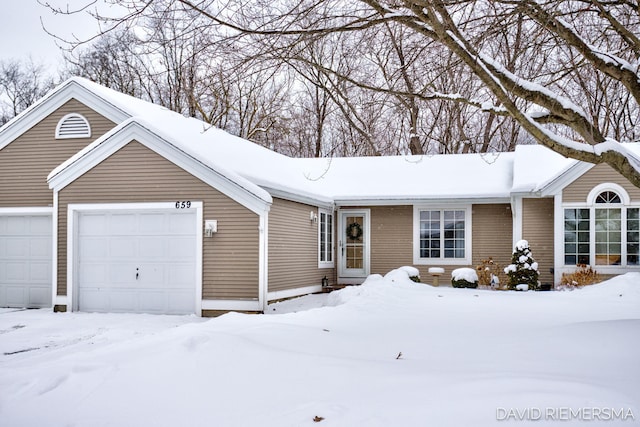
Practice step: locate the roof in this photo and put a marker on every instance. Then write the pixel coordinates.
(324, 181)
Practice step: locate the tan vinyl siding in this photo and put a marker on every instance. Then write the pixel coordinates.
(492, 233)
(577, 191)
(391, 238)
(537, 229)
(26, 162)
(137, 174)
(293, 247)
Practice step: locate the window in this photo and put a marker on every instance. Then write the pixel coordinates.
(73, 126)
(442, 236)
(325, 239)
(607, 233)
(576, 236)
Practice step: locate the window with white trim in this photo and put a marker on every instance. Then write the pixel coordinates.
(605, 233)
(442, 235)
(73, 125)
(325, 239)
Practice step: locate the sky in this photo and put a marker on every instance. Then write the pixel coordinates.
(23, 36)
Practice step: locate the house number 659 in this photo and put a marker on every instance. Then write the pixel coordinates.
(183, 205)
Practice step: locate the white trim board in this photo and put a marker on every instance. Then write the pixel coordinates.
(289, 293)
(51, 102)
(113, 141)
(27, 211)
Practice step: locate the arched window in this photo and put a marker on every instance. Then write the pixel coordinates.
(605, 232)
(73, 125)
(608, 227)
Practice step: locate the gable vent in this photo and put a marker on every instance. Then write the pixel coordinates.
(73, 126)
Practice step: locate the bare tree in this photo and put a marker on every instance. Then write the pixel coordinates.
(566, 72)
(21, 84)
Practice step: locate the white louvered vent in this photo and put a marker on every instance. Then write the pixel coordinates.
(73, 126)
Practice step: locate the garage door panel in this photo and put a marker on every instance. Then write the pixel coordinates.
(122, 224)
(17, 247)
(180, 224)
(39, 296)
(181, 248)
(152, 275)
(180, 302)
(154, 301)
(40, 272)
(25, 260)
(123, 300)
(94, 225)
(122, 247)
(152, 247)
(181, 276)
(90, 273)
(121, 274)
(93, 248)
(16, 271)
(93, 299)
(142, 264)
(40, 247)
(16, 225)
(15, 295)
(153, 224)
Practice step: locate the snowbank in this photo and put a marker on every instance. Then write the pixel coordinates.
(389, 352)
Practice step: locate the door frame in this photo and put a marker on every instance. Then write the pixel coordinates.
(73, 215)
(344, 276)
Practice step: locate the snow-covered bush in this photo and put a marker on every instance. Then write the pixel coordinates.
(523, 269)
(464, 278)
(403, 273)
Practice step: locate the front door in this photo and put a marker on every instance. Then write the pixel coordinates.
(353, 243)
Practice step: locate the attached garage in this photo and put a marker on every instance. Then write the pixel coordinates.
(136, 260)
(131, 210)
(25, 260)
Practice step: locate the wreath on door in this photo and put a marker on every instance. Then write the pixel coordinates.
(354, 231)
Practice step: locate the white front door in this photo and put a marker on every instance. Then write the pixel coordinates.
(25, 260)
(137, 261)
(353, 244)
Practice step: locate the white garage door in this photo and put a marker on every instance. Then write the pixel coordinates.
(137, 261)
(25, 261)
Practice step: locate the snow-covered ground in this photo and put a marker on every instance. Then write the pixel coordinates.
(388, 353)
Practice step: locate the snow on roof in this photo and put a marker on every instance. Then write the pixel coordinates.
(451, 177)
(129, 104)
(536, 166)
(455, 176)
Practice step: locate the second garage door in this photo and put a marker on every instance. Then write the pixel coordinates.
(137, 261)
(25, 260)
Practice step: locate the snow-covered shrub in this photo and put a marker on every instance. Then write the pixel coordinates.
(414, 273)
(523, 269)
(464, 278)
(402, 273)
(583, 276)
